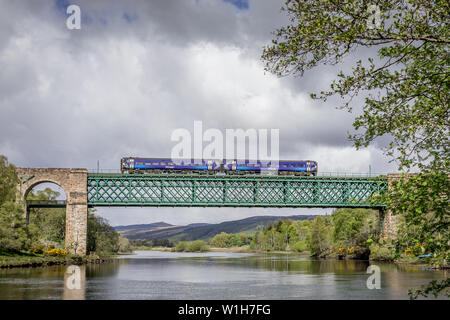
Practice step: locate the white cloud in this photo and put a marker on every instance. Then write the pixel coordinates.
(115, 88)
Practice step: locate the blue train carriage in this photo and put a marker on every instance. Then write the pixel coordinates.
(161, 165)
(283, 167)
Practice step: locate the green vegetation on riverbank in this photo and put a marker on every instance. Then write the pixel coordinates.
(27, 259)
(346, 234)
(40, 240)
(194, 246)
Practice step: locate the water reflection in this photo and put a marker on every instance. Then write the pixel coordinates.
(214, 275)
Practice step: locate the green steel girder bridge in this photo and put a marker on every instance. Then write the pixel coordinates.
(85, 189)
(232, 191)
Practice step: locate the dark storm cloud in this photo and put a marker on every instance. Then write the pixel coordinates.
(137, 70)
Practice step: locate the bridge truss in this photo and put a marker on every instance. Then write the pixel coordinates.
(232, 191)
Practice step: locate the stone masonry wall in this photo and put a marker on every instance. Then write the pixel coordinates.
(74, 184)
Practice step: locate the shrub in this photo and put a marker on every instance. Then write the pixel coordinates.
(56, 252)
(181, 246)
(300, 246)
(195, 246)
(198, 246)
(37, 247)
(382, 252)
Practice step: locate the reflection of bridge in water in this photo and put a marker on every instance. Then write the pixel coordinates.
(85, 190)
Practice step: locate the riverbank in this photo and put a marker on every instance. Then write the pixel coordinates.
(29, 260)
(409, 261)
(246, 249)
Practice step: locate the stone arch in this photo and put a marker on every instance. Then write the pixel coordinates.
(74, 184)
(31, 187)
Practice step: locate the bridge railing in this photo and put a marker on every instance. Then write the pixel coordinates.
(335, 174)
(351, 174)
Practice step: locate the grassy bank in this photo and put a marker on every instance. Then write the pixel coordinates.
(23, 259)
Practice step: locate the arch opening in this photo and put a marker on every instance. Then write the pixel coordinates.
(46, 215)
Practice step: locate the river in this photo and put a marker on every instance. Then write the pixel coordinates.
(213, 275)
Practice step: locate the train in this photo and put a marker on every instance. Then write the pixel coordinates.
(167, 165)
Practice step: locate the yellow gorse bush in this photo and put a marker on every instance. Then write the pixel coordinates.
(408, 252)
(55, 252)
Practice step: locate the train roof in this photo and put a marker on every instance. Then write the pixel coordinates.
(170, 159)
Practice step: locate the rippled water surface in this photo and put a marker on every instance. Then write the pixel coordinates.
(213, 275)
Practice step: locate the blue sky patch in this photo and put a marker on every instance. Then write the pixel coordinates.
(130, 17)
(240, 4)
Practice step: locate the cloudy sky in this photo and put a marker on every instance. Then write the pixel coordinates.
(137, 70)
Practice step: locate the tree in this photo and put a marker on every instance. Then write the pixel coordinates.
(405, 87)
(124, 245)
(423, 201)
(320, 236)
(221, 240)
(8, 180)
(354, 226)
(48, 224)
(101, 238)
(13, 228)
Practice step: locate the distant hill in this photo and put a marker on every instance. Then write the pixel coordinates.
(196, 231)
(143, 226)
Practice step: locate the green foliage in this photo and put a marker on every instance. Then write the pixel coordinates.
(353, 227)
(300, 246)
(281, 236)
(321, 230)
(124, 245)
(37, 247)
(422, 201)
(228, 240)
(198, 246)
(47, 224)
(194, 246)
(161, 243)
(346, 233)
(102, 238)
(409, 76)
(382, 252)
(13, 228)
(8, 180)
(435, 288)
(405, 89)
(181, 246)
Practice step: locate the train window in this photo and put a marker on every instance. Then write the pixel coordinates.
(155, 163)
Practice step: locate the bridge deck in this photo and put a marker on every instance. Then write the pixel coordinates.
(232, 190)
(46, 204)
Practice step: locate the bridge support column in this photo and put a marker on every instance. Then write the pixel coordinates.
(76, 228)
(389, 221)
(76, 212)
